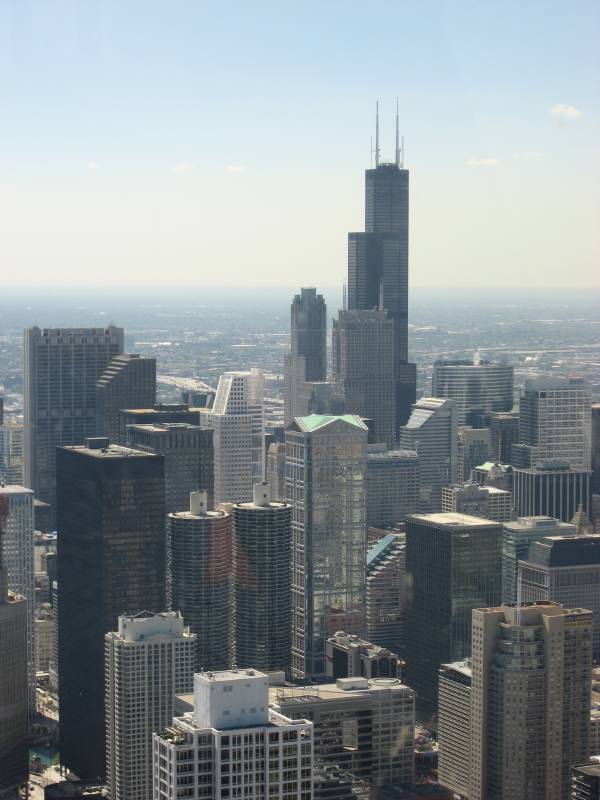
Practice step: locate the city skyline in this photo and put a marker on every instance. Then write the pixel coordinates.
(155, 148)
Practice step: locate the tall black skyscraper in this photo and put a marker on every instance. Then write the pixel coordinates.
(111, 561)
(378, 263)
(307, 360)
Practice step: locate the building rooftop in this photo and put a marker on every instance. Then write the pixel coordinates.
(454, 519)
(14, 489)
(313, 422)
(101, 447)
(387, 543)
(347, 689)
(165, 428)
(565, 551)
(592, 769)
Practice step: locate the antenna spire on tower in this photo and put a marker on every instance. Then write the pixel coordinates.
(377, 134)
(397, 136)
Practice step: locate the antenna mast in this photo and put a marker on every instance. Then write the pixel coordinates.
(397, 137)
(377, 134)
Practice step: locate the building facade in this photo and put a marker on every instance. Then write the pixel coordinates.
(479, 501)
(147, 661)
(453, 561)
(326, 486)
(551, 489)
(61, 369)
(478, 387)
(111, 561)
(432, 432)
(474, 447)
(392, 485)
(129, 381)
(454, 726)
(233, 745)
(262, 572)
(387, 592)
(199, 555)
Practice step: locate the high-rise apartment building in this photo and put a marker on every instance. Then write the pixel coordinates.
(555, 423)
(147, 660)
(363, 727)
(453, 561)
(61, 370)
(550, 489)
(199, 558)
(474, 447)
(18, 559)
(111, 561)
(378, 264)
(262, 572)
(237, 419)
(14, 716)
(478, 387)
(307, 360)
(530, 700)
(565, 569)
(517, 536)
(454, 726)
(386, 592)
(392, 485)
(189, 458)
(233, 745)
(432, 432)
(129, 381)
(326, 485)
(487, 502)
(363, 366)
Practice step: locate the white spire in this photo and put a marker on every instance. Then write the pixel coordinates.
(377, 134)
(397, 136)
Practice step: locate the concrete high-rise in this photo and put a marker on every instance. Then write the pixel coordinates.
(392, 485)
(237, 418)
(189, 458)
(111, 561)
(478, 387)
(18, 559)
(307, 360)
(147, 660)
(487, 502)
(432, 432)
(129, 381)
(199, 555)
(378, 264)
(517, 537)
(453, 561)
(14, 716)
(530, 700)
(363, 366)
(555, 423)
(326, 485)
(565, 569)
(233, 744)
(550, 489)
(61, 370)
(262, 572)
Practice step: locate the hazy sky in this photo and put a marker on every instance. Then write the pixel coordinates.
(224, 143)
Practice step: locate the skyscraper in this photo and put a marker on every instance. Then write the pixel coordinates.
(474, 448)
(237, 419)
(129, 381)
(11, 451)
(505, 433)
(454, 726)
(555, 423)
(189, 458)
(363, 366)
(14, 718)
(550, 489)
(392, 485)
(453, 561)
(276, 469)
(233, 744)
(262, 562)
(18, 559)
(147, 660)
(386, 592)
(307, 359)
(199, 555)
(487, 502)
(155, 414)
(479, 387)
(566, 570)
(432, 432)
(325, 479)
(111, 561)
(378, 263)
(530, 700)
(62, 367)
(596, 448)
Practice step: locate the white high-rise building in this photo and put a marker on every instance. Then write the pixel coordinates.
(147, 661)
(237, 418)
(16, 508)
(232, 745)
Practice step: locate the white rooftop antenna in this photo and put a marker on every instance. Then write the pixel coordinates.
(377, 134)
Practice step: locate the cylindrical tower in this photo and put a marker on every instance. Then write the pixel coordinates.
(262, 548)
(199, 559)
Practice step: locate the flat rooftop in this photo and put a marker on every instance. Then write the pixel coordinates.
(454, 519)
(315, 693)
(14, 489)
(112, 451)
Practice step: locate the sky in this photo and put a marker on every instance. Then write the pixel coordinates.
(223, 144)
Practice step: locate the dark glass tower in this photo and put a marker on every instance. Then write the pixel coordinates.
(309, 332)
(378, 264)
(111, 561)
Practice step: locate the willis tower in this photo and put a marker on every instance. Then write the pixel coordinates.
(378, 263)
